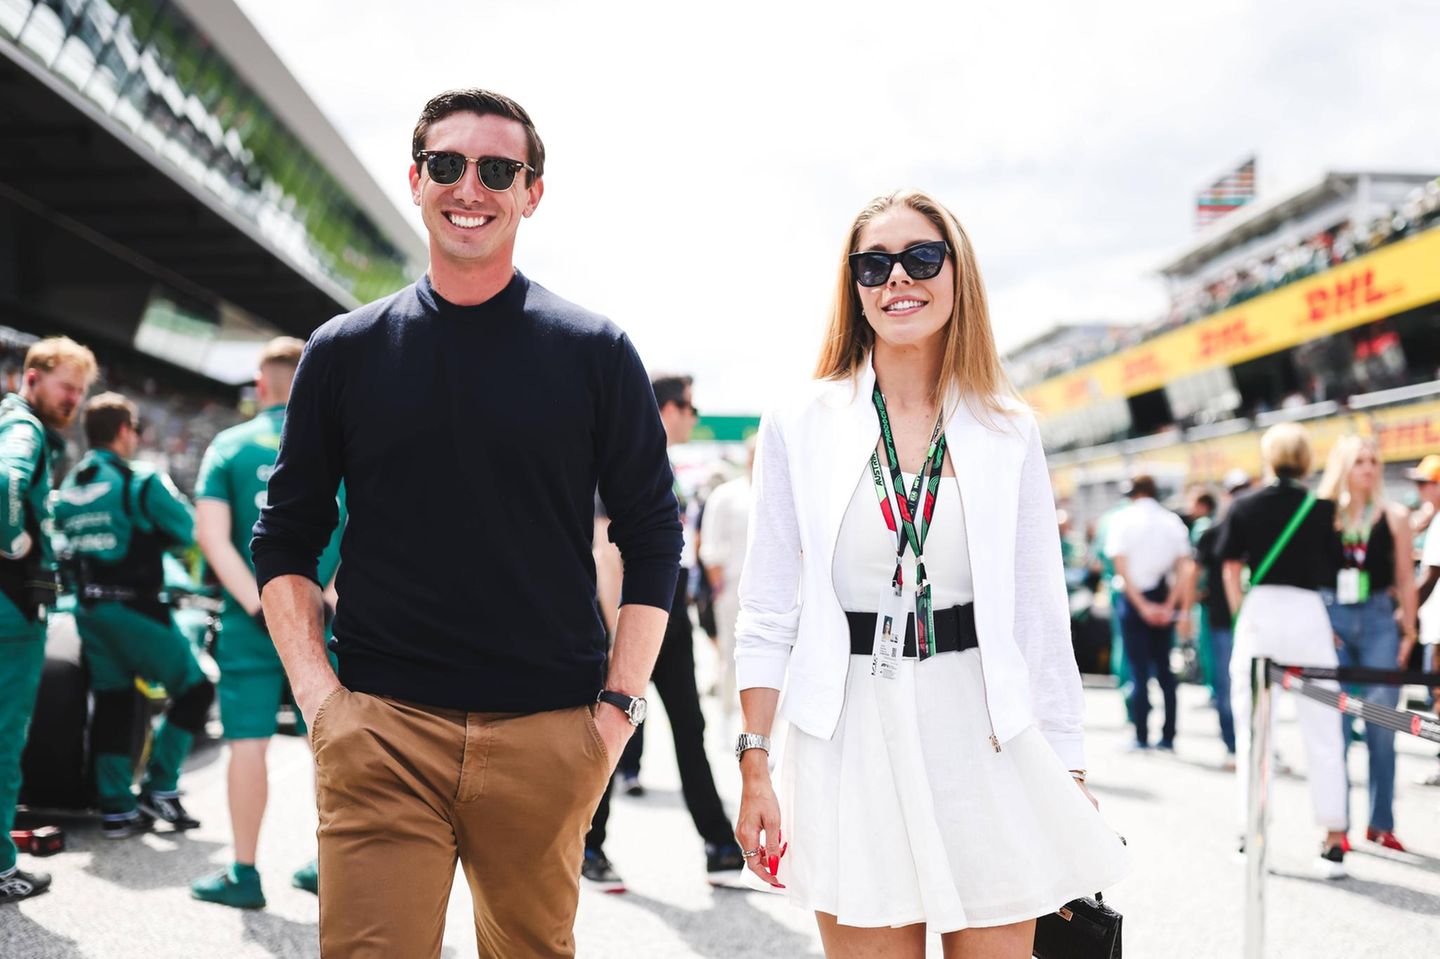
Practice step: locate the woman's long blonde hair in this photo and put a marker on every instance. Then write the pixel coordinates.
(1335, 483)
(972, 363)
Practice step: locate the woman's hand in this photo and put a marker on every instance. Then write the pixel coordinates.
(760, 813)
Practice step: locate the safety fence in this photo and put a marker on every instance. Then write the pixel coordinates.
(1321, 684)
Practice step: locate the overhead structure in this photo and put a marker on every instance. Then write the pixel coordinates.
(168, 188)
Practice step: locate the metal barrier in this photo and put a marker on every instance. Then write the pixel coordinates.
(1265, 674)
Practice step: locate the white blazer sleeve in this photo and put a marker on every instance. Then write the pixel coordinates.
(770, 582)
(1042, 612)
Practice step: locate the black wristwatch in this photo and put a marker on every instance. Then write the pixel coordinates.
(633, 707)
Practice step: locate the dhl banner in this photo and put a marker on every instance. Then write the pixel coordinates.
(1405, 434)
(1391, 280)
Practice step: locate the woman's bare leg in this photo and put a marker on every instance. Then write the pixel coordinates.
(854, 942)
(994, 942)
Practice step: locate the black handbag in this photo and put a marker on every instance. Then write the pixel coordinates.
(1082, 929)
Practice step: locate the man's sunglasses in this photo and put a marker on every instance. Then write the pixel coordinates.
(920, 262)
(497, 174)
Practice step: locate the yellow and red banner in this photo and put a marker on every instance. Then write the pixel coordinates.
(1406, 433)
(1391, 280)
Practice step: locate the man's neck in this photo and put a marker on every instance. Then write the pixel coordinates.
(470, 283)
(112, 451)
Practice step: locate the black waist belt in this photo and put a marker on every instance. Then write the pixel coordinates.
(954, 631)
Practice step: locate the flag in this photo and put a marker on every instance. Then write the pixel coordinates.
(1229, 193)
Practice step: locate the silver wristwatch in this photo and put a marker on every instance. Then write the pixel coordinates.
(750, 741)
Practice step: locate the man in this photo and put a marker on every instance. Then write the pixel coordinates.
(472, 417)
(119, 519)
(1199, 517)
(1427, 485)
(727, 522)
(1216, 624)
(674, 680)
(1148, 543)
(230, 492)
(57, 373)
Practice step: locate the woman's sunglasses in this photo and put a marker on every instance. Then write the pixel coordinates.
(497, 174)
(920, 262)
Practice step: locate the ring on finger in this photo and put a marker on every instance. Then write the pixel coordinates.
(751, 853)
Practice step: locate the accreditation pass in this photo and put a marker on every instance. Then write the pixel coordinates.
(890, 621)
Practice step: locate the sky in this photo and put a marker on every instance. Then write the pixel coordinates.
(704, 161)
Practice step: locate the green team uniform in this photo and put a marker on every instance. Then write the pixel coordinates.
(1118, 666)
(119, 518)
(28, 455)
(236, 470)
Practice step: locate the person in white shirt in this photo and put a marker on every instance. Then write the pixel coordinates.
(933, 701)
(1151, 552)
(722, 553)
(1427, 484)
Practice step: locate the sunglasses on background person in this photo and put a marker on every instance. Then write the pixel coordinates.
(920, 262)
(496, 174)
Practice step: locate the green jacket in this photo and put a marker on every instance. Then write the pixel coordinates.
(107, 505)
(29, 456)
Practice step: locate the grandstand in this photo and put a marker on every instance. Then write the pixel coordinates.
(1322, 306)
(171, 196)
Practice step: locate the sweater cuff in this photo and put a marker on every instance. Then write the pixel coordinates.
(649, 584)
(269, 565)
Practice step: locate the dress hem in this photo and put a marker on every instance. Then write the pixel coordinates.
(941, 928)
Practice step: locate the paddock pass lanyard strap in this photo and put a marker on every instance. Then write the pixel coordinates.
(908, 530)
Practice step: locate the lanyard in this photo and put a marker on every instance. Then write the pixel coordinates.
(910, 529)
(1356, 539)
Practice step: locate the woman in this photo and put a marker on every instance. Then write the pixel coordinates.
(1283, 618)
(1376, 576)
(922, 790)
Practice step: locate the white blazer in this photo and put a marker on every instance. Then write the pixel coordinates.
(792, 632)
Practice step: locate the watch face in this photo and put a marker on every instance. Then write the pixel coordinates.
(637, 710)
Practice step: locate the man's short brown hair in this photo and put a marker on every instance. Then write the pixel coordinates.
(282, 351)
(483, 103)
(105, 415)
(45, 355)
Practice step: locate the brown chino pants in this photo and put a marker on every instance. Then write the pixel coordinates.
(404, 791)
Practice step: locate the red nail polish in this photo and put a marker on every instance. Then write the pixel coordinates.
(783, 849)
(774, 864)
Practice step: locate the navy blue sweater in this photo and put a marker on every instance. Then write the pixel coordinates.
(471, 440)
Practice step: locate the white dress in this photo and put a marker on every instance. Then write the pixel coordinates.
(908, 814)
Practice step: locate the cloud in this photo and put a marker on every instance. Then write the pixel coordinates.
(705, 161)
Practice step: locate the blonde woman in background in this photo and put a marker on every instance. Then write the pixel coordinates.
(934, 779)
(1283, 618)
(1372, 603)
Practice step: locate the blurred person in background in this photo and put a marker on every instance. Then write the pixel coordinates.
(1372, 603)
(674, 679)
(1426, 476)
(119, 518)
(1200, 508)
(230, 494)
(722, 549)
(1206, 587)
(1150, 548)
(934, 769)
(1284, 618)
(57, 374)
(1101, 561)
